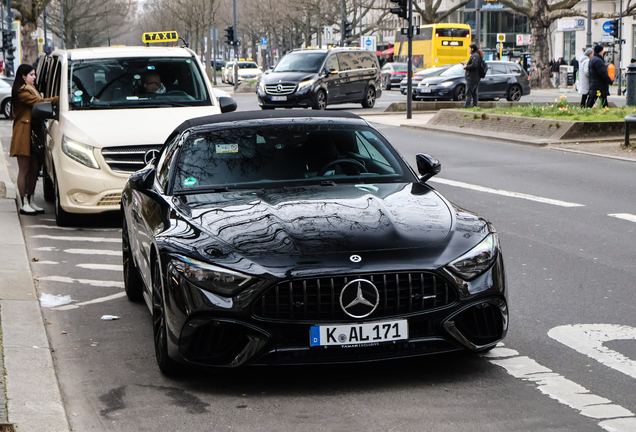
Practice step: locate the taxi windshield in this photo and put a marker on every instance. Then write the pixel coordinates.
(140, 82)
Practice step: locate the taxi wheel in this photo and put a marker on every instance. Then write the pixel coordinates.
(132, 280)
(320, 103)
(62, 217)
(369, 100)
(48, 187)
(167, 366)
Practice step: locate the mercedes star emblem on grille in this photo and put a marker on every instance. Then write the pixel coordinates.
(150, 156)
(279, 88)
(355, 258)
(359, 298)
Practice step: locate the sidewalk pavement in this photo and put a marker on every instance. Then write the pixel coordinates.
(33, 398)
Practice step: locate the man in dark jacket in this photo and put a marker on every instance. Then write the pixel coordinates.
(599, 79)
(472, 75)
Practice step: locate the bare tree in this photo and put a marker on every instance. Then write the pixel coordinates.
(30, 11)
(429, 12)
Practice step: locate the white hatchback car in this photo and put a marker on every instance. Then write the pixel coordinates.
(117, 107)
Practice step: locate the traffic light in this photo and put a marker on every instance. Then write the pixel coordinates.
(229, 35)
(7, 38)
(402, 9)
(614, 24)
(347, 29)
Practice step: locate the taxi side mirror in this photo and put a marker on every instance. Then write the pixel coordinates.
(43, 110)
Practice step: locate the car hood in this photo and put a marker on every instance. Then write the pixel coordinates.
(276, 77)
(251, 72)
(116, 127)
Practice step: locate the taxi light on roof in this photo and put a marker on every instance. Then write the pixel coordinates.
(167, 36)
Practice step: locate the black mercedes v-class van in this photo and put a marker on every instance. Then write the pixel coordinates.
(317, 78)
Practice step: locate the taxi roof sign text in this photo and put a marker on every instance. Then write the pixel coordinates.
(168, 36)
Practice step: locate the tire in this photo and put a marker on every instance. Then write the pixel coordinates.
(6, 108)
(320, 102)
(48, 187)
(62, 217)
(167, 366)
(369, 100)
(460, 93)
(133, 285)
(267, 108)
(514, 93)
(387, 84)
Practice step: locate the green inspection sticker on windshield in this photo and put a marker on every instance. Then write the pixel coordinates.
(226, 148)
(190, 181)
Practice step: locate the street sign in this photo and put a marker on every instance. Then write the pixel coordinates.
(524, 39)
(607, 38)
(608, 27)
(369, 43)
(501, 37)
(263, 41)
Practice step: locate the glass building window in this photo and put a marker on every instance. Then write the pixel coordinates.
(569, 45)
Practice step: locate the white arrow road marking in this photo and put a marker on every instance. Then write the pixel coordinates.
(86, 239)
(588, 339)
(102, 266)
(93, 252)
(55, 227)
(97, 300)
(98, 283)
(616, 418)
(505, 193)
(626, 216)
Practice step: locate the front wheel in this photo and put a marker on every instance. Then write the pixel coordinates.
(369, 100)
(514, 93)
(167, 366)
(62, 217)
(48, 187)
(320, 103)
(460, 93)
(387, 83)
(6, 108)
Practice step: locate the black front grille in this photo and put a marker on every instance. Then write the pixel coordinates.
(319, 299)
(127, 159)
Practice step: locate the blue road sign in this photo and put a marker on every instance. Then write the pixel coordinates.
(263, 41)
(608, 27)
(368, 42)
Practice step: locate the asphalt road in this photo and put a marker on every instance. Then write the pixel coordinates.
(569, 266)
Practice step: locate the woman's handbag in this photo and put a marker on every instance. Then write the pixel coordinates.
(37, 147)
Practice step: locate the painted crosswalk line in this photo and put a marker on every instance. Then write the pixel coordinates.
(97, 283)
(116, 267)
(85, 239)
(97, 300)
(93, 252)
(624, 216)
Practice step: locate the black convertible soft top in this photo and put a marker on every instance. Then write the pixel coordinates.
(262, 115)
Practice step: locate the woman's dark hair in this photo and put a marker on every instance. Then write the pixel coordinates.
(475, 48)
(23, 70)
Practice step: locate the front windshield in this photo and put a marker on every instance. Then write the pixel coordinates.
(400, 67)
(301, 62)
(286, 155)
(247, 65)
(140, 82)
(457, 70)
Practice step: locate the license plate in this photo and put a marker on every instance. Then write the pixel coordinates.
(426, 90)
(358, 334)
(279, 98)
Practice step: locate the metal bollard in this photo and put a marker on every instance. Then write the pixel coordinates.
(629, 118)
(630, 77)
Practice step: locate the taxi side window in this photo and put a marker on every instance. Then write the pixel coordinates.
(163, 166)
(365, 61)
(332, 63)
(48, 90)
(346, 61)
(57, 76)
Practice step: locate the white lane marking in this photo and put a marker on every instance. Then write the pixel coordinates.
(98, 283)
(588, 339)
(616, 418)
(505, 193)
(47, 249)
(55, 227)
(625, 216)
(86, 239)
(93, 252)
(45, 262)
(101, 267)
(97, 300)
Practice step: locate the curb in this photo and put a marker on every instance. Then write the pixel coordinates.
(477, 135)
(34, 400)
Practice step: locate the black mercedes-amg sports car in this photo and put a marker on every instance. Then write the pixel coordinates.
(293, 238)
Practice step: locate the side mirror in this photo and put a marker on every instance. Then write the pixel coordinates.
(142, 180)
(43, 110)
(427, 166)
(227, 104)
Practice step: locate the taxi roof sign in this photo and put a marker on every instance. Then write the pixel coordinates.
(167, 36)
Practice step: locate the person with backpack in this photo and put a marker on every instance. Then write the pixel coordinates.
(475, 71)
(599, 79)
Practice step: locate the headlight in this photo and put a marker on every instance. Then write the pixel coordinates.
(477, 260)
(446, 84)
(79, 152)
(261, 84)
(306, 83)
(210, 277)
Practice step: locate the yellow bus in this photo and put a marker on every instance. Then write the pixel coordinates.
(436, 45)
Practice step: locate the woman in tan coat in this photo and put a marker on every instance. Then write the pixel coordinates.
(23, 96)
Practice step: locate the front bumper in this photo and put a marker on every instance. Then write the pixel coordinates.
(212, 331)
(300, 98)
(438, 93)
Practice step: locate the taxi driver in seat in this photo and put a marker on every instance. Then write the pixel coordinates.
(152, 83)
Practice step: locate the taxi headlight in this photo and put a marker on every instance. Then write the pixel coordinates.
(477, 260)
(447, 84)
(306, 83)
(261, 85)
(210, 277)
(79, 152)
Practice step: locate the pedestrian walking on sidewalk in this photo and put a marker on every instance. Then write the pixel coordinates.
(584, 76)
(472, 75)
(23, 96)
(599, 79)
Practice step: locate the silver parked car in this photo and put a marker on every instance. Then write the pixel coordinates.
(5, 97)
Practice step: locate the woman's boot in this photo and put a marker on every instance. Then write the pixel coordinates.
(26, 209)
(35, 207)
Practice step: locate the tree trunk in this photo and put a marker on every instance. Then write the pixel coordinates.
(30, 53)
(540, 57)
